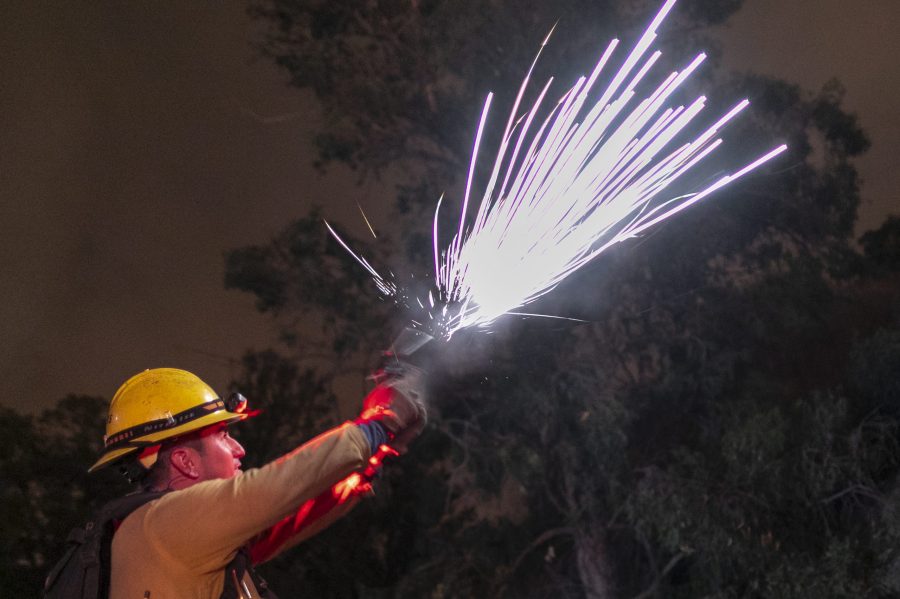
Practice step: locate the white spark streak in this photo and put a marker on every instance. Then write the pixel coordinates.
(365, 218)
(581, 186)
(386, 287)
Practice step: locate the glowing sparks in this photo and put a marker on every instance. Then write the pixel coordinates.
(386, 287)
(592, 175)
(365, 218)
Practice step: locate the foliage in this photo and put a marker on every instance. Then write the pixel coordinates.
(709, 433)
(882, 246)
(44, 486)
(309, 285)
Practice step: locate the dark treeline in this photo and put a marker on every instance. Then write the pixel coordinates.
(724, 425)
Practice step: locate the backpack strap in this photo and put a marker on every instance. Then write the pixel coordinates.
(242, 581)
(73, 542)
(105, 524)
(119, 509)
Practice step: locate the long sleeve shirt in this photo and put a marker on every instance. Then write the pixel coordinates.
(177, 547)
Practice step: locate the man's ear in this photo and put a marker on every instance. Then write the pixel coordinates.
(185, 461)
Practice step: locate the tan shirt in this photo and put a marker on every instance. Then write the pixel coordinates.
(176, 547)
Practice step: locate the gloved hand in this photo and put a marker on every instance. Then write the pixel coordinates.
(398, 404)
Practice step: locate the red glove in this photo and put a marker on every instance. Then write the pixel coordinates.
(398, 404)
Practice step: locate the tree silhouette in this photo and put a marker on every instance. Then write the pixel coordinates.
(701, 436)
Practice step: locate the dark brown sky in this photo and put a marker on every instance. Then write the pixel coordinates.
(140, 140)
(857, 41)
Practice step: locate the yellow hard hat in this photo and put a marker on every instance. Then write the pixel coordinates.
(160, 404)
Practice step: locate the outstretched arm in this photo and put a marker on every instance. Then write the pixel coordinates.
(202, 526)
(313, 517)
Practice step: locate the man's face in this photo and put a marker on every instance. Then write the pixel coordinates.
(220, 455)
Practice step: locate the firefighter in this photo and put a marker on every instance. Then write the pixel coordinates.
(169, 431)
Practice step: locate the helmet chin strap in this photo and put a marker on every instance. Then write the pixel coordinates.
(133, 470)
(148, 456)
(136, 469)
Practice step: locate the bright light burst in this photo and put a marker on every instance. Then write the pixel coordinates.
(593, 174)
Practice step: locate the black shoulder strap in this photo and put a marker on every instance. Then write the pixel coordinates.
(242, 581)
(104, 526)
(119, 509)
(74, 541)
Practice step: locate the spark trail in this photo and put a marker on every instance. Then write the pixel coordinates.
(593, 174)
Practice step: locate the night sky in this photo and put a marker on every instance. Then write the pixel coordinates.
(141, 140)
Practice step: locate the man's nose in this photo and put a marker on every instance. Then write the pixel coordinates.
(237, 450)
